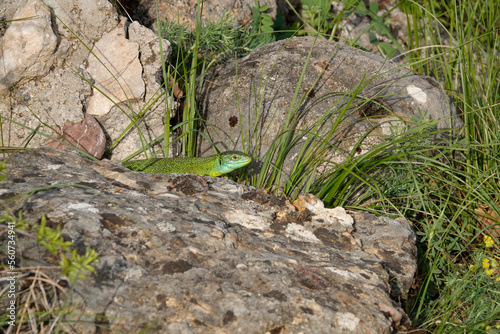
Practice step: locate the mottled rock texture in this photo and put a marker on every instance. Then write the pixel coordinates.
(186, 254)
(247, 103)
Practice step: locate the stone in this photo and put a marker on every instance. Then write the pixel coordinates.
(87, 20)
(115, 67)
(389, 239)
(153, 105)
(60, 94)
(248, 100)
(191, 254)
(150, 56)
(313, 205)
(87, 136)
(28, 46)
(64, 94)
(53, 100)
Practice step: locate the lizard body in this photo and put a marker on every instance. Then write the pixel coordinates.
(214, 165)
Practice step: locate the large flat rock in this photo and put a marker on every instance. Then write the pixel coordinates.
(186, 254)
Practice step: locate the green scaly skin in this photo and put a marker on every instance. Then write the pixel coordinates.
(214, 165)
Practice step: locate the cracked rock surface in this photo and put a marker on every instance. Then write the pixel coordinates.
(190, 254)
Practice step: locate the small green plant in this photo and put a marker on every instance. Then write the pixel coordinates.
(318, 15)
(261, 28)
(318, 19)
(40, 301)
(475, 284)
(378, 24)
(219, 41)
(73, 266)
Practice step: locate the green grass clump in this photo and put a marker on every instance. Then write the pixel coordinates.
(219, 41)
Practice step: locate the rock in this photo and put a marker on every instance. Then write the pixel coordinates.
(87, 19)
(187, 254)
(76, 22)
(28, 46)
(55, 99)
(150, 56)
(388, 240)
(250, 102)
(115, 67)
(62, 94)
(87, 136)
(147, 78)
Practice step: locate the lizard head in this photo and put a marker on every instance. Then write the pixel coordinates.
(231, 160)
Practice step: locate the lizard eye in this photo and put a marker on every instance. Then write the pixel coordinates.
(235, 157)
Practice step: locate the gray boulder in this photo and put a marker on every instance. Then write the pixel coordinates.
(187, 254)
(246, 102)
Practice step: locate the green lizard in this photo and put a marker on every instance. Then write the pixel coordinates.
(214, 165)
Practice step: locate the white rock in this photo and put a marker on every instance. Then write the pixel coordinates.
(120, 78)
(347, 320)
(417, 93)
(300, 233)
(249, 221)
(324, 215)
(28, 46)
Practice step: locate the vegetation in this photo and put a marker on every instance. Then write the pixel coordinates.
(73, 265)
(40, 295)
(445, 181)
